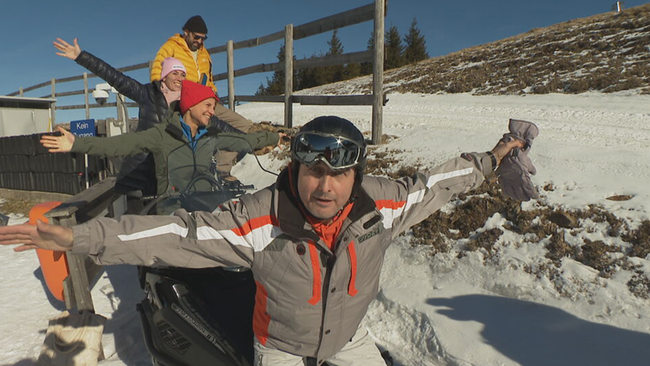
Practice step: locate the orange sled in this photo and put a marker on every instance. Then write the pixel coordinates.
(54, 265)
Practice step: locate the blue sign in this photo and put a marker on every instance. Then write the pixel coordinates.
(84, 127)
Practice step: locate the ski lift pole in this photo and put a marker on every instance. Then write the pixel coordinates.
(87, 117)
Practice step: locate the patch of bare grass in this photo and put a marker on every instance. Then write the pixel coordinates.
(546, 224)
(16, 206)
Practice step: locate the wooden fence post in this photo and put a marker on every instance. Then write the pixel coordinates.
(53, 113)
(87, 102)
(378, 73)
(231, 74)
(77, 285)
(288, 75)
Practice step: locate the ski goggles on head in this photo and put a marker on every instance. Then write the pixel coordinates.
(335, 151)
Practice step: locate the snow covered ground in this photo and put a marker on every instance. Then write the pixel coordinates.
(445, 310)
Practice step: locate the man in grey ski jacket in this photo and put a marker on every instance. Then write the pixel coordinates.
(315, 240)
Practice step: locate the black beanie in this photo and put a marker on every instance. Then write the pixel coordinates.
(196, 24)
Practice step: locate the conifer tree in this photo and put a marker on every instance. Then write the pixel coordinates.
(366, 67)
(336, 72)
(341, 72)
(336, 47)
(393, 49)
(311, 76)
(352, 71)
(416, 49)
(321, 75)
(275, 85)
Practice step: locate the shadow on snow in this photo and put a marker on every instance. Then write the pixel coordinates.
(539, 335)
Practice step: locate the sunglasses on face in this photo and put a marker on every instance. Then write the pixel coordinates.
(197, 37)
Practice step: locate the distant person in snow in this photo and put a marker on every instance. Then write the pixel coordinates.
(315, 240)
(138, 172)
(189, 48)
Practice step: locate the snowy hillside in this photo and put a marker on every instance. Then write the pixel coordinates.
(498, 296)
(607, 52)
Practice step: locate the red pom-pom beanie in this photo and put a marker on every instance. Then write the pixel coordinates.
(192, 94)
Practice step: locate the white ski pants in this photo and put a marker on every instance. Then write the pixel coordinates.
(360, 351)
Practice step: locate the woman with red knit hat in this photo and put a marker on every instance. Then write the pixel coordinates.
(178, 129)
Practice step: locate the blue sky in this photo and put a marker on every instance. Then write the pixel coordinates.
(124, 32)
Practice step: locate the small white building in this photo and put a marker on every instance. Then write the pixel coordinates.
(25, 116)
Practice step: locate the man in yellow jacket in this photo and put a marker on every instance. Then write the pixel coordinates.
(189, 48)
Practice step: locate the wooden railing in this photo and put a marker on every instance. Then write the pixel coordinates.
(375, 11)
(96, 201)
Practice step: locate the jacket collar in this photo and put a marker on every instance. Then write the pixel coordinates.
(173, 120)
(178, 38)
(174, 126)
(187, 132)
(173, 123)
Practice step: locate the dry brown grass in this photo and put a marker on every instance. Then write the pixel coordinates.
(607, 52)
(16, 206)
(547, 224)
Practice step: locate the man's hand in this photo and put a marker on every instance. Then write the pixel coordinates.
(57, 144)
(67, 50)
(43, 236)
(283, 139)
(515, 167)
(503, 148)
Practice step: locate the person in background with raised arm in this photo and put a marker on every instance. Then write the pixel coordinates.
(137, 173)
(153, 98)
(189, 48)
(315, 240)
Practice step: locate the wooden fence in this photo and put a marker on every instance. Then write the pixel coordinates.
(375, 11)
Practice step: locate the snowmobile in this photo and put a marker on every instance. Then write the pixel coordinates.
(196, 317)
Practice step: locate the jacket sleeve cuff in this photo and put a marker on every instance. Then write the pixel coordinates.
(81, 244)
(488, 162)
(275, 138)
(493, 160)
(79, 145)
(485, 162)
(83, 55)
